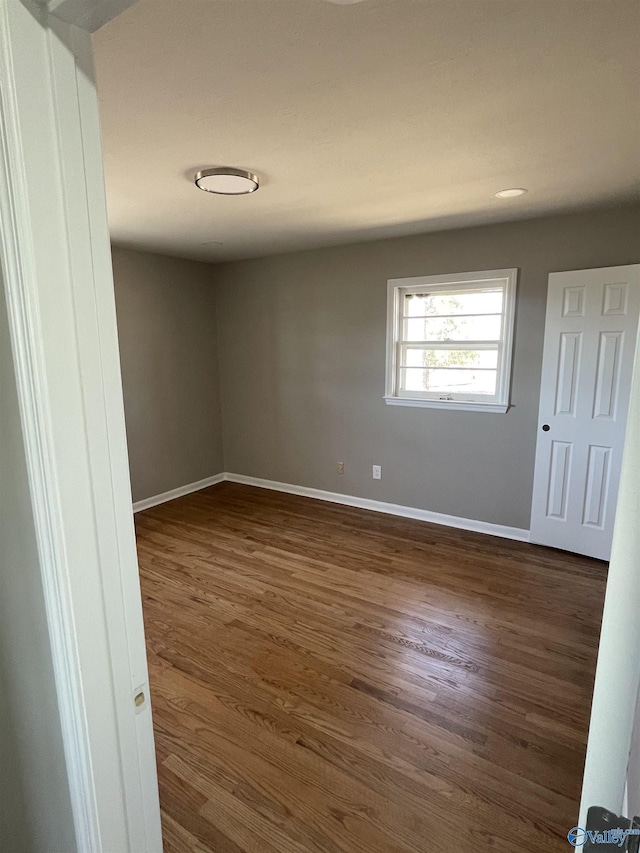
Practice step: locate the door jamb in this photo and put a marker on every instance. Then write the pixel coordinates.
(56, 269)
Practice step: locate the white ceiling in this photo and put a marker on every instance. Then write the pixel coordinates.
(383, 118)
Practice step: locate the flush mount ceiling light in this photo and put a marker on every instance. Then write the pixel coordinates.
(226, 181)
(512, 193)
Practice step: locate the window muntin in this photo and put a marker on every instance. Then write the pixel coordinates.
(450, 339)
(482, 327)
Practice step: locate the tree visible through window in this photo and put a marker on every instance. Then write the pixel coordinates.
(451, 339)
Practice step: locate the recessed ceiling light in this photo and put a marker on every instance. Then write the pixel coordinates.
(512, 193)
(226, 181)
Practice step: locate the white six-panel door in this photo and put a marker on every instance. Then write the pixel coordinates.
(589, 346)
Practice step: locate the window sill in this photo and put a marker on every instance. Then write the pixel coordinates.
(459, 405)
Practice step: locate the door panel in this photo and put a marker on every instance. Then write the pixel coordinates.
(597, 490)
(568, 370)
(558, 487)
(615, 299)
(608, 374)
(590, 333)
(573, 302)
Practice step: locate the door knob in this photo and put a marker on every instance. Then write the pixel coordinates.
(545, 427)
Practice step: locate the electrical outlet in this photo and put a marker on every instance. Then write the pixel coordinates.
(340, 467)
(377, 472)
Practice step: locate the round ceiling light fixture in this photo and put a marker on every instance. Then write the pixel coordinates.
(226, 181)
(511, 193)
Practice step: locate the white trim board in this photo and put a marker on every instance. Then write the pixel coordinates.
(516, 533)
(180, 492)
(57, 281)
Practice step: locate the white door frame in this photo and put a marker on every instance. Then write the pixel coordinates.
(618, 671)
(56, 268)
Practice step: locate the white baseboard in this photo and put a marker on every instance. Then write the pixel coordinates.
(147, 503)
(517, 533)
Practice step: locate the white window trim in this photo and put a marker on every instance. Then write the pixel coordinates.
(397, 286)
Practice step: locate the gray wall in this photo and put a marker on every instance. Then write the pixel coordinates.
(302, 355)
(169, 356)
(35, 809)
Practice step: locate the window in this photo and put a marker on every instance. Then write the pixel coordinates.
(449, 340)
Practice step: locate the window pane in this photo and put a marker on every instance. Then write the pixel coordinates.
(487, 301)
(448, 380)
(479, 328)
(467, 358)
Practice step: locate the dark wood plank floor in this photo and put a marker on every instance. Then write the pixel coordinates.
(329, 679)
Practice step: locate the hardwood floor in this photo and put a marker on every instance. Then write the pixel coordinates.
(330, 679)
